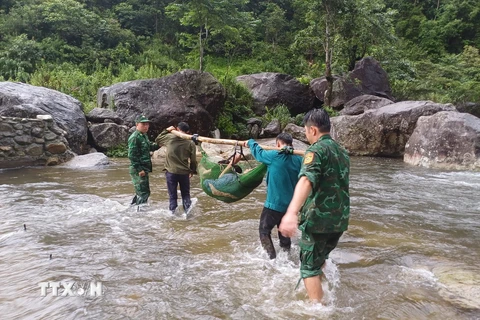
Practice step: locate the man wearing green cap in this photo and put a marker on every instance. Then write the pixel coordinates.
(139, 148)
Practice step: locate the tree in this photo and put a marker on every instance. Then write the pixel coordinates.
(208, 17)
(324, 15)
(346, 29)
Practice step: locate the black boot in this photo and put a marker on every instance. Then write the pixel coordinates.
(134, 201)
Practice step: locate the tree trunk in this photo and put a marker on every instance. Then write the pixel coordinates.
(200, 44)
(328, 60)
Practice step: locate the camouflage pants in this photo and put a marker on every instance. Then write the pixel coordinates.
(314, 250)
(141, 185)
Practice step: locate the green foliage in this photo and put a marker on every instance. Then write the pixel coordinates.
(298, 120)
(455, 78)
(280, 112)
(428, 48)
(331, 112)
(18, 58)
(120, 151)
(72, 80)
(237, 110)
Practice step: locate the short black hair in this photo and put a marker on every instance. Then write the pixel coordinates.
(183, 126)
(318, 118)
(285, 138)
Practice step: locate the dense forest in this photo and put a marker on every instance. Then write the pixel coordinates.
(429, 48)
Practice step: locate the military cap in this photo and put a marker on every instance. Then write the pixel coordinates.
(142, 118)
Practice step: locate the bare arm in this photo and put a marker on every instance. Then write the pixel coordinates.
(289, 223)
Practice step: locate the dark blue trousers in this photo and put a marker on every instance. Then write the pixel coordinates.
(173, 180)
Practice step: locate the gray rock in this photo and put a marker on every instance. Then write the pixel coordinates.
(56, 147)
(107, 135)
(297, 132)
(189, 95)
(101, 115)
(270, 89)
(362, 103)
(23, 140)
(272, 129)
(367, 77)
(27, 101)
(469, 107)
(90, 160)
(34, 150)
(383, 131)
(445, 140)
(343, 90)
(253, 121)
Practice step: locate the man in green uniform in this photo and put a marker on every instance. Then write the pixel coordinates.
(139, 148)
(322, 198)
(180, 164)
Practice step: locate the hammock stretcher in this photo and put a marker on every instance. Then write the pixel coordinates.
(231, 186)
(228, 186)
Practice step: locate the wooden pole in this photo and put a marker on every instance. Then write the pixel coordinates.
(230, 142)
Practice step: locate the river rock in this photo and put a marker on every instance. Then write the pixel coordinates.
(27, 101)
(367, 77)
(384, 131)
(189, 95)
(469, 107)
(362, 103)
(270, 89)
(445, 140)
(297, 132)
(459, 286)
(89, 160)
(101, 115)
(343, 90)
(108, 135)
(272, 129)
(254, 128)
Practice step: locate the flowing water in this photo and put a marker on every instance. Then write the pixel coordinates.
(411, 251)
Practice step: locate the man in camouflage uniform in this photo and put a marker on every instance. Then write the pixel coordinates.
(139, 148)
(322, 198)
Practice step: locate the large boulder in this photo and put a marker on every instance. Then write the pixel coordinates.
(383, 131)
(101, 115)
(372, 78)
(469, 107)
(270, 89)
(26, 101)
(445, 140)
(362, 103)
(189, 95)
(91, 160)
(297, 132)
(108, 135)
(272, 129)
(343, 90)
(367, 77)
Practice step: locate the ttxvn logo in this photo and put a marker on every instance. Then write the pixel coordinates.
(71, 289)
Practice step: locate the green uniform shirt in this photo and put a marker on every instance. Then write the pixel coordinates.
(327, 209)
(139, 148)
(179, 152)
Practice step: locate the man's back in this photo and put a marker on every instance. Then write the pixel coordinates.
(327, 167)
(179, 152)
(282, 175)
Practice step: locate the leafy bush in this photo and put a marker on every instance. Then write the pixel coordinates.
(120, 151)
(232, 121)
(280, 113)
